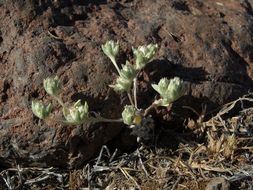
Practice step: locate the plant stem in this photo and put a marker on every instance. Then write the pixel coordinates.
(111, 120)
(50, 119)
(90, 120)
(59, 100)
(98, 119)
(135, 92)
(130, 98)
(115, 64)
(147, 110)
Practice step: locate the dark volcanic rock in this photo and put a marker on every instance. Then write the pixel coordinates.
(207, 44)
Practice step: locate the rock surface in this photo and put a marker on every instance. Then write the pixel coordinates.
(208, 44)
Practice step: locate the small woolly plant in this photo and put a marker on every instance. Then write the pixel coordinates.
(126, 82)
(169, 90)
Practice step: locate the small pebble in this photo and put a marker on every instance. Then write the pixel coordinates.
(218, 183)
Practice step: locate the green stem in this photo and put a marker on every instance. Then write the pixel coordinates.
(115, 64)
(135, 93)
(152, 106)
(59, 100)
(130, 98)
(93, 120)
(111, 120)
(99, 119)
(55, 120)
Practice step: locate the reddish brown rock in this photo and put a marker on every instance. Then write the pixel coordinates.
(208, 44)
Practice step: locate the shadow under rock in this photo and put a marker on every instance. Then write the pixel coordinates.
(159, 69)
(163, 68)
(108, 106)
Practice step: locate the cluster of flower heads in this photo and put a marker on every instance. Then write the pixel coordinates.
(78, 113)
(75, 114)
(143, 55)
(169, 90)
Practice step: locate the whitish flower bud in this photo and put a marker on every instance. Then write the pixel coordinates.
(128, 71)
(128, 114)
(52, 86)
(76, 114)
(122, 85)
(169, 90)
(41, 110)
(144, 54)
(111, 48)
(125, 80)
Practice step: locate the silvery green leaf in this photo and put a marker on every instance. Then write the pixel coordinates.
(117, 87)
(125, 80)
(169, 90)
(52, 85)
(86, 107)
(77, 114)
(156, 88)
(128, 71)
(162, 86)
(40, 110)
(143, 55)
(140, 61)
(175, 89)
(165, 102)
(128, 114)
(66, 114)
(74, 115)
(77, 103)
(111, 48)
(122, 85)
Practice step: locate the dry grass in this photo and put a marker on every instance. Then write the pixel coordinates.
(220, 147)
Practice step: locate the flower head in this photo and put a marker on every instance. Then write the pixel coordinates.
(40, 110)
(169, 90)
(128, 71)
(52, 85)
(125, 80)
(111, 48)
(77, 113)
(128, 114)
(144, 54)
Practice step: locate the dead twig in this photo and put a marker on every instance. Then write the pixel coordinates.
(176, 183)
